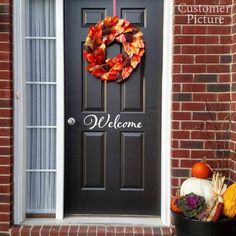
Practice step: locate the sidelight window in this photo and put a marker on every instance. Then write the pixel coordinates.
(39, 109)
(40, 106)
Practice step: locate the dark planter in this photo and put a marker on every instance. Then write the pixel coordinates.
(190, 227)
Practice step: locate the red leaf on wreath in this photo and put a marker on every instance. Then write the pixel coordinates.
(112, 75)
(91, 66)
(98, 72)
(114, 20)
(110, 62)
(118, 59)
(99, 55)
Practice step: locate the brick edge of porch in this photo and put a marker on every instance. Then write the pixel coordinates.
(90, 230)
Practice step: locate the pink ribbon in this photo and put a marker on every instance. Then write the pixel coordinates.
(114, 7)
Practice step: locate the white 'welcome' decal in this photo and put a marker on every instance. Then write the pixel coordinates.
(105, 121)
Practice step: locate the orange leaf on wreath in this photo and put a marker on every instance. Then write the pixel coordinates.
(118, 59)
(138, 35)
(135, 61)
(90, 58)
(112, 75)
(91, 32)
(110, 62)
(141, 52)
(91, 66)
(138, 43)
(126, 24)
(118, 67)
(126, 72)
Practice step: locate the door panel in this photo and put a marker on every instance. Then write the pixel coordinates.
(132, 161)
(93, 173)
(112, 167)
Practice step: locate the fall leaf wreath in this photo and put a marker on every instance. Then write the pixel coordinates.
(113, 29)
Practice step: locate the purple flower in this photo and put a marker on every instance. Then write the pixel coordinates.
(192, 201)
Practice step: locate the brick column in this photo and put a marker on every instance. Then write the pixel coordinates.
(201, 72)
(6, 116)
(233, 98)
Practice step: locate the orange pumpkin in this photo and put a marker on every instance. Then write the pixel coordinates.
(173, 206)
(201, 170)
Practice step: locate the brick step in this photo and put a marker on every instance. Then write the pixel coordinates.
(91, 230)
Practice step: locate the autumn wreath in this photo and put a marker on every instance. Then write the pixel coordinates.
(113, 29)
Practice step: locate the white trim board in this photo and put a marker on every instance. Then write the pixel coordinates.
(166, 112)
(99, 220)
(60, 109)
(19, 112)
(19, 132)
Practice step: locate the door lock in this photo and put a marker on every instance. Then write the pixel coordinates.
(71, 121)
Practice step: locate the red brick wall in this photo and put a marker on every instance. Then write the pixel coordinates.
(6, 108)
(233, 97)
(201, 72)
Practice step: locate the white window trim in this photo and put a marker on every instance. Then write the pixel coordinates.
(19, 113)
(20, 119)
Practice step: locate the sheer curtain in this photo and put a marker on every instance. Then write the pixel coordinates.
(41, 105)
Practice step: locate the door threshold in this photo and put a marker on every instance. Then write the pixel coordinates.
(98, 220)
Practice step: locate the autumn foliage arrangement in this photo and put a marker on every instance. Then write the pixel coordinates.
(104, 33)
(205, 199)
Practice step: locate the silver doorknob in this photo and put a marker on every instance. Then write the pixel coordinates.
(71, 121)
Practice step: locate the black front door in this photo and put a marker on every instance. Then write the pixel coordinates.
(113, 170)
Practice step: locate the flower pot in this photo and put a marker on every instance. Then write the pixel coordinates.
(191, 227)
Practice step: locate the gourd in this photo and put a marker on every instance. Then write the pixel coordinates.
(173, 205)
(215, 204)
(202, 187)
(230, 201)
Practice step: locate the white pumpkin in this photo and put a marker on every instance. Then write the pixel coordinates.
(202, 187)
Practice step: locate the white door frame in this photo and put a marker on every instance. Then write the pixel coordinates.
(166, 111)
(19, 114)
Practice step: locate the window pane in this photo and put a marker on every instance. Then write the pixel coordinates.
(40, 55)
(40, 18)
(41, 105)
(41, 192)
(41, 149)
